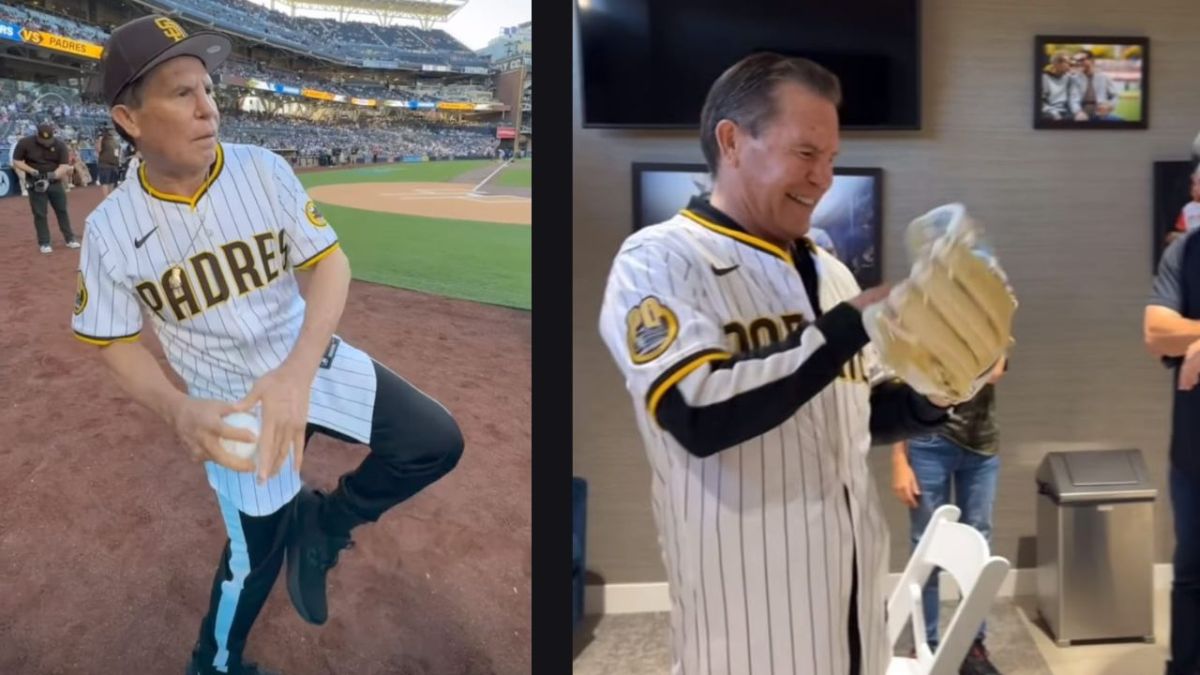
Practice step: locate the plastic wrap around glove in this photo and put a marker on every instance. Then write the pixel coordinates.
(944, 328)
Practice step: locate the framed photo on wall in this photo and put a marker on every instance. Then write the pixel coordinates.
(848, 221)
(1176, 204)
(1089, 82)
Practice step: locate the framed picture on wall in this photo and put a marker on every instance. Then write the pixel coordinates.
(1088, 82)
(848, 221)
(1176, 204)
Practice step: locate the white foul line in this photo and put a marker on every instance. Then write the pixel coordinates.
(489, 176)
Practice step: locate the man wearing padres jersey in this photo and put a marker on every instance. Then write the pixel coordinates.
(206, 241)
(757, 395)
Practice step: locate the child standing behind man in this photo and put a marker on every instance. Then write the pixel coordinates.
(963, 453)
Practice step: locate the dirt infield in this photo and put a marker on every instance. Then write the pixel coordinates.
(431, 200)
(109, 535)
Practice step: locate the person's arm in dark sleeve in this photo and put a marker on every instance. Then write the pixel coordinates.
(898, 412)
(18, 158)
(674, 352)
(63, 169)
(738, 398)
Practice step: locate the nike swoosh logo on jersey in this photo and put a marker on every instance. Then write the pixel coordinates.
(137, 243)
(722, 271)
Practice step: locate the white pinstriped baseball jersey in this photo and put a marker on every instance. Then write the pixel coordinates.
(215, 274)
(757, 538)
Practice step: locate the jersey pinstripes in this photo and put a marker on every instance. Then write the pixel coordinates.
(238, 311)
(757, 539)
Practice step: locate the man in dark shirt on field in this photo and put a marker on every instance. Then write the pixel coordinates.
(46, 163)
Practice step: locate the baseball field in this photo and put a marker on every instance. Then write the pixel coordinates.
(420, 226)
(110, 534)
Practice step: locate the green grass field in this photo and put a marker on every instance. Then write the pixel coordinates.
(518, 174)
(484, 262)
(425, 172)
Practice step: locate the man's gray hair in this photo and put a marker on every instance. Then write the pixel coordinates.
(745, 94)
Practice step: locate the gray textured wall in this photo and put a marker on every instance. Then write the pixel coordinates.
(1069, 212)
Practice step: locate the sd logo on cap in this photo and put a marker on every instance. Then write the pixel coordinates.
(45, 133)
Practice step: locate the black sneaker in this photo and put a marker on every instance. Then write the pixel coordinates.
(311, 553)
(977, 662)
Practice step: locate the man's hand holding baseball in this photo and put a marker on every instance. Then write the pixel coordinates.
(198, 423)
(284, 395)
(284, 392)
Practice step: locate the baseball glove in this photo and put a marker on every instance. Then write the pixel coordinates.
(944, 328)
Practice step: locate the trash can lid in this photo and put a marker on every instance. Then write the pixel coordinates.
(1095, 476)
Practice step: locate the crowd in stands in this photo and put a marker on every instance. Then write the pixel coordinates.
(391, 133)
(368, 136)
(34, 19)
(346, 40)
(24, 104)
(478, 93)
(350, 41)
(258, 71)
(403, 133)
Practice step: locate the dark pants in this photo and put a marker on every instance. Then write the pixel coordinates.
(108, 174)
(58, 199)
(414, 442)
(1185, 589)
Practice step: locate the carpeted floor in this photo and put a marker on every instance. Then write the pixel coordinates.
(638, 644)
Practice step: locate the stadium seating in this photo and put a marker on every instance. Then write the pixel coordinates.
(347, 41)
(416, 136)
(393, 133)
(476, 93)
(51, 23)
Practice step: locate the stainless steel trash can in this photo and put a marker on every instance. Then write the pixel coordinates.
(1095, 546)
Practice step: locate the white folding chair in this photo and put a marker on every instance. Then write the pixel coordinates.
(961, 551)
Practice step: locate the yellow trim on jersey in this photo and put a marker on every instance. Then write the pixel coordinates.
(682, 372)
(743, 237)
(104, 342)
(213, 172)
(320, 256)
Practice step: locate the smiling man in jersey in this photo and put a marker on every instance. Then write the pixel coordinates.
(758, 396)
(207, 241)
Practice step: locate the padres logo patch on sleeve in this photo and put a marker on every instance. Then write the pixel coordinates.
(651, 328)
(81, 294)
(314, 216)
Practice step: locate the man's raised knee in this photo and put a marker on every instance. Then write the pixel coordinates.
(450, 443)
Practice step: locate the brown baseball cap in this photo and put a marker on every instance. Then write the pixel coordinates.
(45, 131)
(136, 47)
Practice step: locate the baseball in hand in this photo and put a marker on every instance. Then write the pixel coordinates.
(239, 449)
